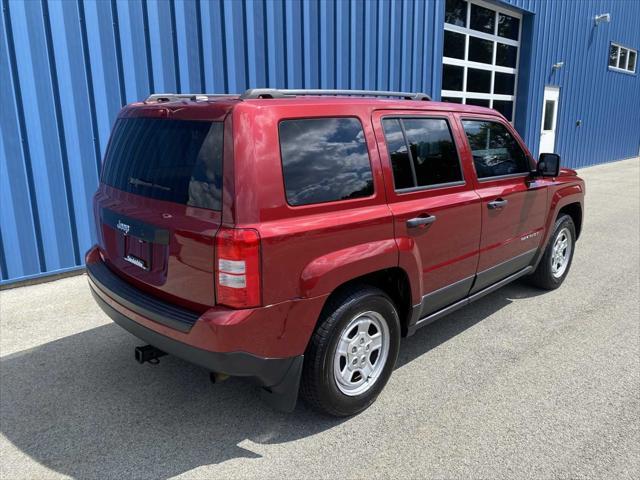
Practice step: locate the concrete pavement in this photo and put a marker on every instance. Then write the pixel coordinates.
(522, 383)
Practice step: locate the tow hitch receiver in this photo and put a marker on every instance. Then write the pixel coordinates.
(148, 353)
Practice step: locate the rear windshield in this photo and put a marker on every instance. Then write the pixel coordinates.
(177, 161)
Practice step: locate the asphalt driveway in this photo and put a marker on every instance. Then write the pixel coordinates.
(520, 384)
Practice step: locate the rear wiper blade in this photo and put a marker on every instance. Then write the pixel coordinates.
(142, 183)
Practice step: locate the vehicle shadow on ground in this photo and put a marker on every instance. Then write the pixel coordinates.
(81, 406)
(438, 332)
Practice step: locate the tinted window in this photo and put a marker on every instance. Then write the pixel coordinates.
(453, 45)
(432, 151)
(478, 80)
(504, 83)
(455, 12)
(324, 159)
(506, 55)
(508, 26)
(495, 151)
(480, 50)
(505, 107)
(632, 61)
(623, 58)
(399, 154)
(481, 102)
(452, 77)
(549, 107)
(173, 160)
(482, 19)
(613, 56)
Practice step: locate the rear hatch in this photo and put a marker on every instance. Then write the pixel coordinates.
(159, 204)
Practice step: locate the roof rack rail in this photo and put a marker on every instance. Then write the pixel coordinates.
(196, 97)
(287, 93)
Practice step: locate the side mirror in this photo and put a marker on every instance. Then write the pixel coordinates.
(548, 165)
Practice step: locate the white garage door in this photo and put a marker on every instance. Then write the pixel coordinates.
(480, 55)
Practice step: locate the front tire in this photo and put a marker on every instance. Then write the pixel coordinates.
(352, 352)
(556, 261)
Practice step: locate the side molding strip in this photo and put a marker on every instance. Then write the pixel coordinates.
(466, 301)
(444, 296)
(493, 274)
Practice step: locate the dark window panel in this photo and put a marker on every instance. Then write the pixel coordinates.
(176, 161)
(482, 19)
(478, 80)
(613, 56)
(632, 61)
(455, 12)
(480, 102)
(505, 107)
(452, 77)
(398, 154)
(508, 26)
(495, 151)
(504, 83)
(324, 159)
(623, 58)
(452, 99)
(453, 45)
(434, 154)
(506, 55)
(480, 50)
(549, 107)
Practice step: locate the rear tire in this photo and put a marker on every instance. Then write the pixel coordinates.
(352, 352)
(558, 255)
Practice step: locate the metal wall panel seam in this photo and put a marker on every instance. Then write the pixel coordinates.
(90, 90)
(147, 44)
(203, 84)
(26, 151)
(76, 120)
(62, 143)
(35, 81)
(119, 67)
(3, 263)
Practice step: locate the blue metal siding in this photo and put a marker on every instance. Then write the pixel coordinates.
(66, 68)
(607, 102)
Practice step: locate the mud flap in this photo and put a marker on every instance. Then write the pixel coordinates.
(284, 395)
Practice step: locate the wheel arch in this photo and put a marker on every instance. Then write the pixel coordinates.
(574, 210)
(393, 281)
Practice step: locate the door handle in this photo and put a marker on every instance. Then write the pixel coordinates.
(419, 221)
(496, 204)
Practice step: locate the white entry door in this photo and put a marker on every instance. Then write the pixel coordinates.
(549, 117)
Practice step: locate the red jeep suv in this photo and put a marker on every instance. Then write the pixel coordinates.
(293, 236)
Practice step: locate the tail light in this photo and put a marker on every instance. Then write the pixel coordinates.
(238, 282)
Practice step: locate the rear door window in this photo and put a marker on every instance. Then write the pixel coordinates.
(324, 160)
(422, 152)
(177, 161)
(495, 152)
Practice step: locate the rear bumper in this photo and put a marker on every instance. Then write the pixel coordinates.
(277, 331)
(266, 372)
(265, 345)
(280, 377)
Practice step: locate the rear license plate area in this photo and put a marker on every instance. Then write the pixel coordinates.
(137, 252)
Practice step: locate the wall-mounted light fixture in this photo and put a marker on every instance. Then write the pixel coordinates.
(602, 18)
(558, 66)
